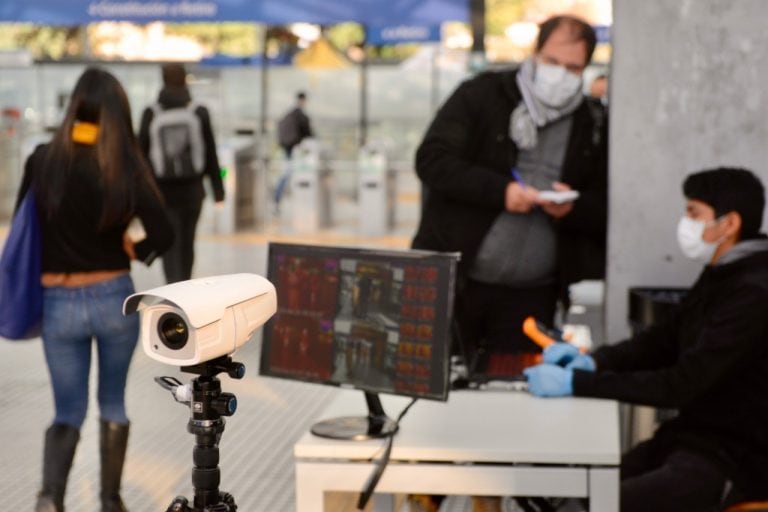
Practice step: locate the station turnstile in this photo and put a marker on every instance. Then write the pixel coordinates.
(377, 189)
(311, 188)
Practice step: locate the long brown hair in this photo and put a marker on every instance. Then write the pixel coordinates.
(98, 98)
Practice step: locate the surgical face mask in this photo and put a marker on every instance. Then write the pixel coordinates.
(689, 237)
(554, 85)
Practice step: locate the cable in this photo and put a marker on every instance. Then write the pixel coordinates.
(381, 464)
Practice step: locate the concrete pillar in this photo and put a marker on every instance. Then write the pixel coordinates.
(689, 90)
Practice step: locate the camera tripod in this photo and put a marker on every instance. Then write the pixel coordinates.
(207, 404)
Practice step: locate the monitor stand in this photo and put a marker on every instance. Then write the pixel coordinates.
(358, 428)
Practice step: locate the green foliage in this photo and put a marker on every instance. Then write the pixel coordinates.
(392, 52)
(43, 42)
(345, 35)
(499, 14)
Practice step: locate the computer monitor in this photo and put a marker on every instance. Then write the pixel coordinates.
(372, 319)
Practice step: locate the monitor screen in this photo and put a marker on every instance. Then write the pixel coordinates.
(376, 320)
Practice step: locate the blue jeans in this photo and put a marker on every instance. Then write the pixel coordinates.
(282, 182)
(72, 319)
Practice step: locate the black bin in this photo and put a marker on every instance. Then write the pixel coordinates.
(649, 306)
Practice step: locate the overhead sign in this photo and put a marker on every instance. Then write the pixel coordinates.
(403, 34)
(107, 9)
(370, 12)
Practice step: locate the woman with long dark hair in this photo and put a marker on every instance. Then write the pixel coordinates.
(90, 181)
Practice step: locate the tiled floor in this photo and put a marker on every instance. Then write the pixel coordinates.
(256, 446)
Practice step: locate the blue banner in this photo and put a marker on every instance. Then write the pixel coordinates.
(405, 33)
(603, 33)
(380, 13)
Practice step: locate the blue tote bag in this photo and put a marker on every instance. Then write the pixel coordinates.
(21, 295)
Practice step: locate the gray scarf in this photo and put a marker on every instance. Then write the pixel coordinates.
(531, 114)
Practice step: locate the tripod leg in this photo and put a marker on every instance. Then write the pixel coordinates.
(228, 500)
(179, 504)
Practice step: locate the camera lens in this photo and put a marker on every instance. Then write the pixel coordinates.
(173, 331)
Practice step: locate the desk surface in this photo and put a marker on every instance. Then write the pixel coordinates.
(482, 426)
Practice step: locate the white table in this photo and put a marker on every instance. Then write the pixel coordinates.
(492, 443)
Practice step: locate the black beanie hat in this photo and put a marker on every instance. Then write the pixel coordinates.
(729, 189)
(174, 75)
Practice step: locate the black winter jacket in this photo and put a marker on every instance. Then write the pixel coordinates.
(464, 163)
(73, 239)
(710, 360)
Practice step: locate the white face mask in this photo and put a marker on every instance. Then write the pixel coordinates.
(689, 237)
(554, 85)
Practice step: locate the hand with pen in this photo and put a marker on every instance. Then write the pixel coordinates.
(519, 197)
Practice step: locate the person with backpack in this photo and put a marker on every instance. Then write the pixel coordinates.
(291, 130)
(88, 183)
(177, 138)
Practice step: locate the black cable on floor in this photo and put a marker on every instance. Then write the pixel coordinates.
(381, 464)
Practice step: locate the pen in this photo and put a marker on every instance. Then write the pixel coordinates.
(518, 178)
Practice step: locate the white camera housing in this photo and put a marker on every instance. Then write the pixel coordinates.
(190, 322)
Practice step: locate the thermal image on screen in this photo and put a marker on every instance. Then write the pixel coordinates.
(375, 322)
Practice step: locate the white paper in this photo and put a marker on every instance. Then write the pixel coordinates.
(553, 196)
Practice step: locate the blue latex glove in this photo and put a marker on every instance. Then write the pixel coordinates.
(560, 353)
(569, 356)
(582, 362)
(549, 380)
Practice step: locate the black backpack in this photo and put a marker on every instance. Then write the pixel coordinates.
(176, 147)
(288, 130)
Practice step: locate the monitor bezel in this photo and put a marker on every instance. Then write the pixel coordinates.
(447, 259)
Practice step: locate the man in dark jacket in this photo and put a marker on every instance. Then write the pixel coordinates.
(183, 190)
(708, 360)
(500, 139)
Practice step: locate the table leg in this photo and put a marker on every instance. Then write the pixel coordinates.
(604, 490)
(310, 492)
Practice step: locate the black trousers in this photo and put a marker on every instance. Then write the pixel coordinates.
(178, 260)
(490, 317)
(661, 478)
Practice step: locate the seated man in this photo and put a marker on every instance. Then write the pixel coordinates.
(709, 360)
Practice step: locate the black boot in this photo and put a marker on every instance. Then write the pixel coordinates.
(114, 441)
(60, 444)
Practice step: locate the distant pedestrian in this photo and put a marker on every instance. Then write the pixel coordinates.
(291, 130)
(177, 138)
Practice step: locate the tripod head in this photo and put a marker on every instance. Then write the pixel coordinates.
(222, 404)
(216, 366)
(207, 404)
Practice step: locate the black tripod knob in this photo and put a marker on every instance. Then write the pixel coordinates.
(236, 370)
(225, 404)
